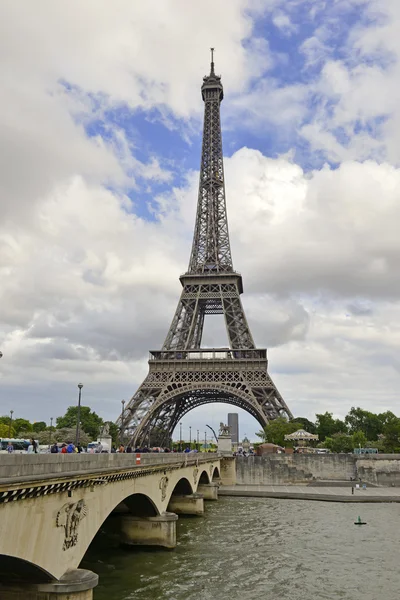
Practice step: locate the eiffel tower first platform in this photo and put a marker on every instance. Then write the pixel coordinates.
(182, 375)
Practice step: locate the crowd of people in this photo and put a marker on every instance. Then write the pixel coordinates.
(92, 448)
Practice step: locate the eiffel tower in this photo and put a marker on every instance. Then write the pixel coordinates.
(182, 375)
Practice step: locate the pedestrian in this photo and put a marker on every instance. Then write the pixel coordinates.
(129, 450)
(64, 449)
(121, 448)
(99, 448)
(54, 448)
(10, 447)
(70, 448)
(34, 446)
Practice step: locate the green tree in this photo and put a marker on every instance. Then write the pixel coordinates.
(39, 426)
(362, 420)
(339, 442)
(359, 439)
(22, 425)
(5, 431)
(391, 433)
(306, 424)
(276, 430)
(327, 426)
(90, 421)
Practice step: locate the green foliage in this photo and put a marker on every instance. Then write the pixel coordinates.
(339, 442)
(5, 430)
(306, 424)
(90, 421)
(362, 420)
(21, 426)
(276, 430)
(39, 426)
(359, 439)
(327, 426)
(391, 434)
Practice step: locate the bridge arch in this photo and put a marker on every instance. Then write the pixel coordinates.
(216, 475)
(182, 488)
(13, 568)
(204, 477)
(140, 505)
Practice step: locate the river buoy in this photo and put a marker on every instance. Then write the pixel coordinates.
(359, 522)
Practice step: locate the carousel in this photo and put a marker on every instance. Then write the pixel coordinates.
(301, 440)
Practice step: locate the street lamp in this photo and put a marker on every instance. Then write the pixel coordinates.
(9, 428)
(198, 442)
(180, 437)
(190, 436)
(122, 420)
(51, 428)
(78, 416)
(205, 441)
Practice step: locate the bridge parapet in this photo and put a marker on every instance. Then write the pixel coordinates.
(34, 466)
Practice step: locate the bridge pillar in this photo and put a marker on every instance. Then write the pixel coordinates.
(74, 585)
(209, 491)
(228, 471)
(149, 531)
(191, 504)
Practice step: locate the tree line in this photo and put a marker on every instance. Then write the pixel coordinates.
(359, 429)
(63, 430)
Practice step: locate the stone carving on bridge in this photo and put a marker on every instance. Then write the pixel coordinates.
(195, 474)
(69, 517)
(163, 487)
(224, 429)
(211, 470)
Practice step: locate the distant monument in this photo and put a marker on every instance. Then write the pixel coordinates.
(225, 439)
(233, 422)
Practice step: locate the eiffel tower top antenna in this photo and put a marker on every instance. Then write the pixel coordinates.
(212, 61)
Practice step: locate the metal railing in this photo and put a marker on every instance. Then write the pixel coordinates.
(209, 354)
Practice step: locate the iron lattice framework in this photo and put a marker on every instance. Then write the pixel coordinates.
(182, 375)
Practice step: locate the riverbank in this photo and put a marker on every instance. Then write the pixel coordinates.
(319, 493)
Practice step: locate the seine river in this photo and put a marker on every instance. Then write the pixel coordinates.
(259, 548)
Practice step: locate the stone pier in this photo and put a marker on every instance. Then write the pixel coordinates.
(191, 504)
(209, 491)
(74, 585)
(149, 531)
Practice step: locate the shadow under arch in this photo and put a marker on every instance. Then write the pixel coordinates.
(216, 475)
(140, 505)
(13, 569)
(182, 488)
(204, 477)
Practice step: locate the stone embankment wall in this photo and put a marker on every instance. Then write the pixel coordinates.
(276, 469)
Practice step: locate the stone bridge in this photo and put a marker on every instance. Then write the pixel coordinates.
(52, 506)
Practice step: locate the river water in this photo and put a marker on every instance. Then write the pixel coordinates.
(251, 548)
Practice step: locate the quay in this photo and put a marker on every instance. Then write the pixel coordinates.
(317, 492)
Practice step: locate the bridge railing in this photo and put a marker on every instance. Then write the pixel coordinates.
(30, 467)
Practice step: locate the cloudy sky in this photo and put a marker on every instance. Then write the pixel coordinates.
(100, 123)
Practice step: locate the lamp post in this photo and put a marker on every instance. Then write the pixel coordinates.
(198, 442)
(51, 429)
(205, 441)
(9, 428)
(78, 416)
(122, 421)
(180, 436)
(190, 436)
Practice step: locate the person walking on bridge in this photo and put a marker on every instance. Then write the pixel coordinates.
(10, 448)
